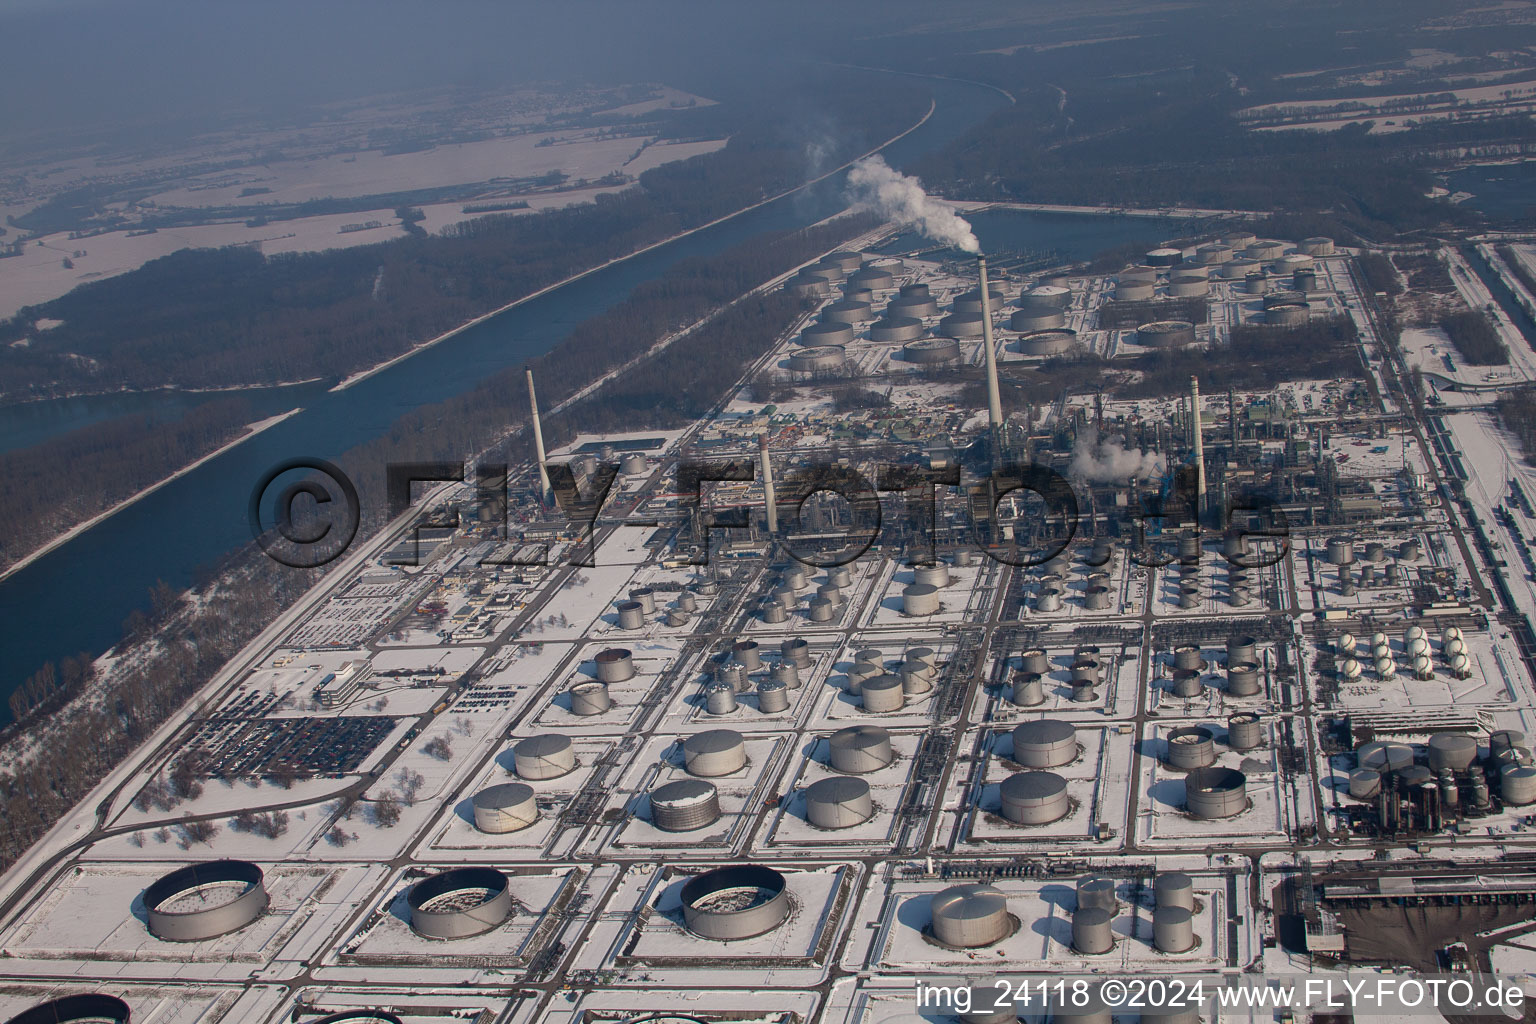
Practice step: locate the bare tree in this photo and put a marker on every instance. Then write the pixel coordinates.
(386, 811)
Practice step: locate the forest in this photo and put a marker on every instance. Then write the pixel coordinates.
(1475, 338)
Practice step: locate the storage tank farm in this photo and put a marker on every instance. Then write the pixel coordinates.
(690, 764)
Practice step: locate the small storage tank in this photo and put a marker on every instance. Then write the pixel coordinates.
(646, 597)
(1213, 792)
(927, 655)
(1187, 684)
(1166, 334)
(970, 916)
(822, 610)
(1264, 249)
(733, 674)
(1093, 931)
(504, 808)
(914, 290)
(1340, 551)
(1083, 692)
(838, 802)
(875, 278)
(883, 693)
(1451, 750)
(861, 673)
(1174, 889)
(860, 749)
(1245, 731)
(928, 351)
(1283, 298)
(796, 651)
(844, 260)
(1048, 602)
(916, 678)
(840, 577)
(1242, 650)
(1173, 930)
(1190, 747)
(1097, 891)
(714, 753)
(772, 696)
(748, 654)
(684, 805)
(544, 757)
(1375, 551)
(1035, 660)
(631, 615)
(961, 325)
(720, 698)
(787, 674)
(920, 599)
(1364, 783)
(1304, 281)
(1028, 689)
(773, 612)
(1517, 786)
(589, 698)
(1035, 798)
(818, 359)
(615, 665)
(1026, 321)
(678, 617)
(1256, 284)
(1137, 275)
(932, 575)
(1243, 680)
(1239, 239)
(1096, 598)
(1213, 252)
(1238, 269)
(1188, 657)
(1189, 596)
(1044, 743)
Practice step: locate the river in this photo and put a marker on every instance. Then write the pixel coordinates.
(76, 597)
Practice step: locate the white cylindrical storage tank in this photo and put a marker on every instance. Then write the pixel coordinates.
(734, 675)
(1188, 657)
(1242, 650)
(909, 308)
(615, 665)
(786, 673)
(544, 757)
(684, 805)
(840, 577)
(1035, 798)
(1187, 684)
(920, 599)
(861, 673)
(647, 598)
(1245, 731)
(838, 802)
(1048, 342)
(1504, 739)
(714, 753)
(1166, 334)
(1035, 660)
(818, 359)
(822, 333)
(1237, 269)
(1173, 930)
(883, 693)
(1264, 249)
(970, 302)
(960, 326)
(970, 916)
(503, 808)
(1213, 792)
(796, 651)
(1386, 757)
(928, 351)
(874, 277)
(1045, 296)
(631, 615)
(927, 655)
(1451, 750)
(772, 696)
(1174, 889)
(1134, 291)
(847, 311)
(1028, 689)
(1243, 680)
(1185, 286)
(720, 698)
(1288, 315)
(772, 611)
(1026, 321)
(1340, 550)
(1045, 743)
(916, 678)
(932, 575)
(678, 617)
(1048, 602)
(1093, 931)
(1316, 246)
(747, 653)
(738, 901)
(1190, 747)
(1256, 284)
(1517, 786)
(1213, 253)
(1364, 783)
(1097, 598)
(821, 609)
(589, 698)
(860, 749)
(1164, 257)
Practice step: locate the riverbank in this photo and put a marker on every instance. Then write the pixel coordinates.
(74, 531)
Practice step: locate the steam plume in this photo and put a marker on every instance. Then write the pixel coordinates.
(1108, 462)
(873, 185)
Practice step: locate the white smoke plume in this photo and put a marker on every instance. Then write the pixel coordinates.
(875, 186)
(1108, 462)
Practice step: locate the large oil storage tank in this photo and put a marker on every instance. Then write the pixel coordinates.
(1048, 343)
(929, 351)
(1239, 239)
(714, 753)
(544, 757)
(901, 328)
(1237, 269)
(1245, 731)
(844, 260)
(589, 698)
(1264, 249)
(1045, 297)
(1255, 284)
(1166, 334)
(684, 805)
(820, 359)
(1035, 660)
(838, 802)
(883, 693)
(1214, 792)
(1517, 785)
(1504, 739)
(970, 916)
(1340, 551)
(860, 749)
(810, 286)
(1044, 743)
(874, 278)
(847, 311)
(1316, 246)
(1174, 889)
(1164, 257)
(1452, 750)
(459, 902)
(911, 307)
(920, 599)
(82, 1008)
(1093, 931)
(631, 615)
(508, 807)
(1028, 689)
(1385, 757)
(970, 302)
(1243, 680)
(1289, 314)
(914, 290)
(1035, 798)
(1190, 747)
(825, 333)
(1213, 253)
(1173, 930)
(1027, 320)
(1188, 286)
(829, 272)
(204, 901)
(1364, 783)
(1134, 291)
(735, 902)
(961, 325)
(1137, 275)
(615, 665)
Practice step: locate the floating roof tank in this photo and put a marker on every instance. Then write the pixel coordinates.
(1035, 660)
(1026, 321)
(847, 311)
(1316, 246)
(1190, 747)
(823, 333)
(1289, 314)
(508, 807)
(1166, 334)
(1243, 680)
(818, 359)
(589, 698)
(1046, 297)
(970, 302)
(714, 753)
(459, 902)
(544, 757)
(1028, 689)
(1188, 656)
(1245, 731)
(204, 901)
(931, 350)
(1504, 739)
(1164, 257)
(615, 665)
(845, 260)
(932, 575)
(910, 307)
(1045, 743)
(1035, 798)
(631, 615)
(1048, 342)
(1188, 286)
(1134, 291)
(1213, 792)
(873, 278)
(735, 902)
(1242, 650)
(684, 805)
(970, 916)
(838, 802)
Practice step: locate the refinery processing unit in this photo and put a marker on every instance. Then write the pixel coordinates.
(1205, 683)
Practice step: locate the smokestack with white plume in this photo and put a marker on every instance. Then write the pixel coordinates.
(873, 185)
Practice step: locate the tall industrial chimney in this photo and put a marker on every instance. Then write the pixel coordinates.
(545, 491)
(994, 399)
(1194, 420)
(773, 511)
